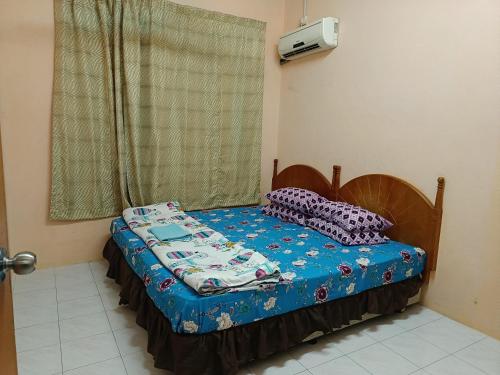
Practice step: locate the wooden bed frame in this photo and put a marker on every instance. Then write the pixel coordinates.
(417, 221)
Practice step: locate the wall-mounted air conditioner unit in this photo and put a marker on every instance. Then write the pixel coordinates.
(315, 37)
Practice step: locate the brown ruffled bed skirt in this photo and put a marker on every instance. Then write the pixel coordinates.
(224, 352)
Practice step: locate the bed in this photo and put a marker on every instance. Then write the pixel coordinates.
(325, 286)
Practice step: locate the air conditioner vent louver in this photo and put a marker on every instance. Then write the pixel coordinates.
(315, 37)
(301, 50)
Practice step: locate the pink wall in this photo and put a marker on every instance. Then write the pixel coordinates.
(26, 53)
(412, 90)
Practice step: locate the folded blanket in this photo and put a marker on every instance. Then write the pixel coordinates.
(170, 232)
(209, 263)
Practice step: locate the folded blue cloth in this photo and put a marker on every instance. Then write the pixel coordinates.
(170, 232)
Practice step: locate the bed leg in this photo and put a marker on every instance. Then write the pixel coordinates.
(312, 342)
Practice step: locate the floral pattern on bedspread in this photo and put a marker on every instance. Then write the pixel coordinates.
(314, 269)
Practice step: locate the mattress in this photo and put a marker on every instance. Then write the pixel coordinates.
(314, 269)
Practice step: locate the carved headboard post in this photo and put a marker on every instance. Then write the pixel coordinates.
(438, 203)
(275, 174)
(438, 209)
(336, 182)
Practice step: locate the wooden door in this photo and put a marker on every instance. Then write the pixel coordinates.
(8, 361)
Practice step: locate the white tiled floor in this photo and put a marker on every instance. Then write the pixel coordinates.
(68, 321)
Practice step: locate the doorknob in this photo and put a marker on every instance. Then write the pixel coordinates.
(22, 263)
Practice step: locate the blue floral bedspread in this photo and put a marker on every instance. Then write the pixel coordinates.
(314, 269)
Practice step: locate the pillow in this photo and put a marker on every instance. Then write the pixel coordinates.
(344, 237)
(351, 218)
(285, 214)
(297, 199)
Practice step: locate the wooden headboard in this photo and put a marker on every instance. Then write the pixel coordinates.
(302, 176)
(417, 221)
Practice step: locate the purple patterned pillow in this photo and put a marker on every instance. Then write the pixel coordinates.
(297, 199)
(285, 214)
(344, 237)
(351, 218)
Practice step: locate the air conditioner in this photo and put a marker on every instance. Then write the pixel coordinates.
(315, 37)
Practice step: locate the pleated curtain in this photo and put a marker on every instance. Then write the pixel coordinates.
(154, 101)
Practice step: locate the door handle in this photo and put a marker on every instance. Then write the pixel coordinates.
(22, 263)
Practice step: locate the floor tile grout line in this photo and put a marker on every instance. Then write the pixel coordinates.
(107, 317)
(79, 338)
(14, 293)
(453, 352)
(418, 366)
(430, 364)
(465, 347)
(84, 337)
(59, 326)
(418, 370)
(58, 317)
(75, 299)
(76, 317)
(37, 348)
(427, 341)
(406, 330)
(344, 355)
(403, 328)
(400, 355)
(31, 291)
(360, 365)
(322, 363)
(36, 324)
(453, 355)
(82, 316)
(376, 341)
(91, 364)
(448, 354)
(420, 325)
(465, 361)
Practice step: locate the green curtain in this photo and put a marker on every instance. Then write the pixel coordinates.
(154, 101)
